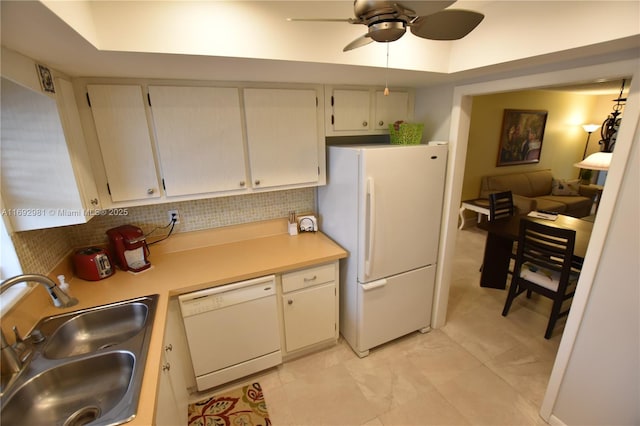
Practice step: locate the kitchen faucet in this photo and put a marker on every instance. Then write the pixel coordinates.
(11, 363)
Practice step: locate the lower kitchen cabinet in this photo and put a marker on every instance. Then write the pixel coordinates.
(173, 396)
(307, 320)
(310, 306)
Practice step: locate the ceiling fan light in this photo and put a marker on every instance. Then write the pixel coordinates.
(387, 31)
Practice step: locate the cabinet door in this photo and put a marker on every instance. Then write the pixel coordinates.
(309, 316)
(351, 110)
(199, 135)
(391, 108)
(282, 134)
(167, 410)
(173, 396)
(125, 142)
(39, 188)
(72, 126)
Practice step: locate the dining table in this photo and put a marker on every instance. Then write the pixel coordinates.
(502, 234)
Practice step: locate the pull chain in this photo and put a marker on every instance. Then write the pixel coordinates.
(386, 78)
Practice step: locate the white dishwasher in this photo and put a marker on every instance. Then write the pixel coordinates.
(232, 330)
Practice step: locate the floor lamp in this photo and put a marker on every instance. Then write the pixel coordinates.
(589, 128)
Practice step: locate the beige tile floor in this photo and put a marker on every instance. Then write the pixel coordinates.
(479, 369)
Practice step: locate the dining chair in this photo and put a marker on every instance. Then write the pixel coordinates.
(544, 265)
(500, 207)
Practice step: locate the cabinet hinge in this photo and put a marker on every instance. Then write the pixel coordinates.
(332, 120)
(149, 99)
(331, 100)
(316, 102)
(163, 187)
(108, 189)
(318, 170)
(88, 100)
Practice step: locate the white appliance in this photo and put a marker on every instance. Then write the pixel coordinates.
(383, 204)
(232, 330)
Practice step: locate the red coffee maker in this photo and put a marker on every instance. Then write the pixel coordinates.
(129, 248)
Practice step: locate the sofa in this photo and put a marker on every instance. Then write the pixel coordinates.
(538, 190)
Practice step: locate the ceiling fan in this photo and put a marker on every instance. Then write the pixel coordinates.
(388, 20)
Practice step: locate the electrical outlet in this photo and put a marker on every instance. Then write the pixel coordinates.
(173, 214)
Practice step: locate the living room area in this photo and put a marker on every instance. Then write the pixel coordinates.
(545, 180)
(562, 146)
(545, 177)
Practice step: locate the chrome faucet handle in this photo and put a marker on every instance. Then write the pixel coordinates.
(17, 334)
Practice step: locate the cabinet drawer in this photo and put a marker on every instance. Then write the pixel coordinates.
(308, 277)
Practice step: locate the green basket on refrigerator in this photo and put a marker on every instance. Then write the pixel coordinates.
(406, 133)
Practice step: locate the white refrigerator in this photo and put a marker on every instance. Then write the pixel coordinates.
(383, 204)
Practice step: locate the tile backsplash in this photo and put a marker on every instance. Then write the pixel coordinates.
(41, 250)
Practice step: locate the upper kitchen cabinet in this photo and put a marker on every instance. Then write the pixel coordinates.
(199, 137)
(125, 142)
(157, 141)
(46, 176)
(362, 110)
(390, 108)
(284, 137)
(349, 110)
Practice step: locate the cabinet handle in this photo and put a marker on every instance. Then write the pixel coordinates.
(365, 124)
(257, 182)
(94, 202)
(150, 191)
(290, 302)
(166, 367)
(380, 123)
(313, 278)
(168, 348)
(242, 183)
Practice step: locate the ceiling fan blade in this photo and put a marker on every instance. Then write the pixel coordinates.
(359, 42)
(447, 24)
(350, 20)
(424, 8)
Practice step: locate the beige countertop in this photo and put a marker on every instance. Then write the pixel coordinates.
(183, 263)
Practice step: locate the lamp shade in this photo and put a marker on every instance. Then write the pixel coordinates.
(590, 128)
(596, 161)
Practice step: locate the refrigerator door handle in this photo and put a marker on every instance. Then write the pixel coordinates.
(372, 223)
(374, 284)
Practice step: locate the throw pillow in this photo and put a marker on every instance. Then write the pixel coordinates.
(565, 187)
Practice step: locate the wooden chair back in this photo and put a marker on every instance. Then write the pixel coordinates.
(500, 205)
(544, 265)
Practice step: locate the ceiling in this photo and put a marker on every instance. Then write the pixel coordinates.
(252, 41)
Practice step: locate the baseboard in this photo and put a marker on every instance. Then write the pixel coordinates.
(554, 421)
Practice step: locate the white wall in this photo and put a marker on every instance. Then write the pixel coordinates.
(433, 108)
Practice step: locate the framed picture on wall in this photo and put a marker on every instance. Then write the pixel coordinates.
(521, 136)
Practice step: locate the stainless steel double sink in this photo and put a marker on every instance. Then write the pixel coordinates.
(87, 370)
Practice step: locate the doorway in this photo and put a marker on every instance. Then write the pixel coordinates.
(458, 135)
